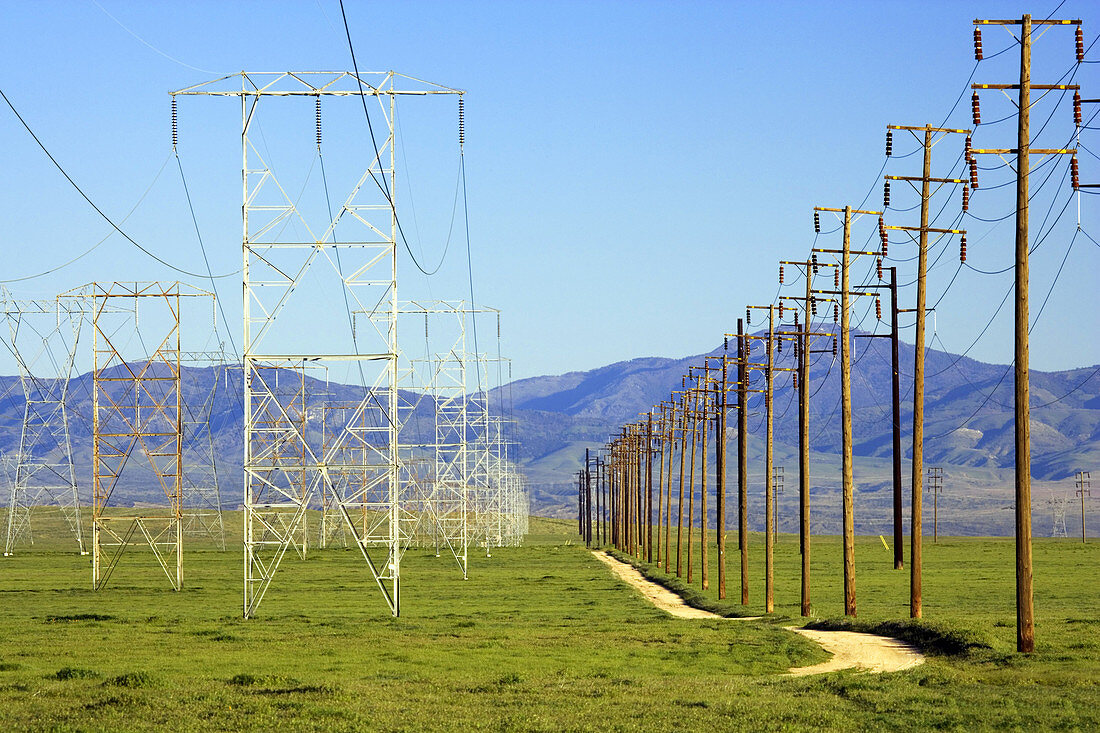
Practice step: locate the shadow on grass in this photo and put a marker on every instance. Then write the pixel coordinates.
(935, 638)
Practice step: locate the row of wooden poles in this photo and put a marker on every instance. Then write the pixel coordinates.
(627, 482)
(659, 457)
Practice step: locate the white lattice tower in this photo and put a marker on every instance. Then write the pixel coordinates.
(43, 338)
(1058, 504)
(292, 256)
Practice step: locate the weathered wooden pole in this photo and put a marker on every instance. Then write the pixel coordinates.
(804, 449)
(846, 423)
(680, 502)
(649, 487)
(691, 479)
(1025, 611)
(670, 437)
(742, 461)
(704, 393)
(660, 477)
(895, 385)
(769, 506)
(720, 475)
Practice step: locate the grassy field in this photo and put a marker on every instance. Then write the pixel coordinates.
(540, 637)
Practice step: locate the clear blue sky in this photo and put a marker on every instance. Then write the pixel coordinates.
(635, 169)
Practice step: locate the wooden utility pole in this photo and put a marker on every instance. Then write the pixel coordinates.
(703, 570)
(649, 487)
(680, 502)
(691, 477)
(927, 138)
(742, 461)
(895, 394)
(1025, 611)
(1084, 488)
(846, 400)
(660, 476)
(802, 353)
(769, 368)
(596, 530)
(587, 499)
(720, 475)
(895, 385)
(670, 436)
(935, 485)
(804, 449)
(769, 505)
(846, 424)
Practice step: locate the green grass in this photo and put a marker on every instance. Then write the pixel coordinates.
(541, 637)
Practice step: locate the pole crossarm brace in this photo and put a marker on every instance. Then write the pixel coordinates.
(841, 211)
(925, 229)
(841, 292)
(921, 178)
(1044, 87)
(1017, 21)
(929, 128)
(1033, 151)
(851, 251)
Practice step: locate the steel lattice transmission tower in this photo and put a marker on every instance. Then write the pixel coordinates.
(137, 408)
(1058, 504)
(352, 252)
(43, 338)
(202, 502)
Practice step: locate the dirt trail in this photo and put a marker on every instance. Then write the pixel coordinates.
(850, 649)
(658, 595)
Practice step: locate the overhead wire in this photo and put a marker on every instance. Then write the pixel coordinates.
(98, 210)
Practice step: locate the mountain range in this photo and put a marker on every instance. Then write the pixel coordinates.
(968, 428)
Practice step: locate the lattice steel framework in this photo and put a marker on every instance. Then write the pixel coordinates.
(136, 405)
(202, 502)
(43, 338)
(283, 465)
(443, 510)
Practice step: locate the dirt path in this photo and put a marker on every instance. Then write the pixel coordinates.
(867, 652)
(658, 595)
(850, 649)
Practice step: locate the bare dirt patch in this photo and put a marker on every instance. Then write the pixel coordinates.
(658, 595)
(854, 650)
(850, 649)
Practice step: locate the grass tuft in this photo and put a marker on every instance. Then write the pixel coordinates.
(73, 673)
(132, 680)
(51, 619)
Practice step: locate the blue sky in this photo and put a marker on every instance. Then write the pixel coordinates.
(635, 170)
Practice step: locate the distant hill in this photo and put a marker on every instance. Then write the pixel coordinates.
(969, 432)
(968, 429)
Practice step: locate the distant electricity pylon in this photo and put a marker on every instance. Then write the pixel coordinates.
(1058, 504)
(202, 501)
(43, 338)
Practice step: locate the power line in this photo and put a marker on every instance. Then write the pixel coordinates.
(97, 209)
(383, 185)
